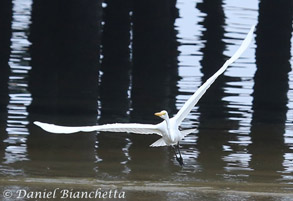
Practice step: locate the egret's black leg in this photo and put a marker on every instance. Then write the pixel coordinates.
(176, 154)
(180, 159)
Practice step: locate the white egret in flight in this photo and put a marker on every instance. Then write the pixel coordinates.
(168, 129)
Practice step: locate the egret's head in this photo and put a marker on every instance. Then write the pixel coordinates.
(163, 114)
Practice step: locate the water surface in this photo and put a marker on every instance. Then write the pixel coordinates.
(79, 67)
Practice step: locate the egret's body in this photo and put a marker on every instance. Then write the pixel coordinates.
(167, 129)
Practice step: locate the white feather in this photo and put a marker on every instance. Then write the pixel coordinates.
(191, 102)
(118, 127)
(159, 143)
(131, 128)
(64, 129)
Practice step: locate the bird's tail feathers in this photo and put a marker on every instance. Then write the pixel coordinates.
(159, 143)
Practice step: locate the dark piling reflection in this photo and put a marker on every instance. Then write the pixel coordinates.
(154, 75)
(64, 79)
(114, 87)
(116, 63)
(213, 111)
(154, 71)
(271, 87)
(5, 35)
(65, 57)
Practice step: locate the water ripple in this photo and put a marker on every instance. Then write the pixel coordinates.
(19, 97)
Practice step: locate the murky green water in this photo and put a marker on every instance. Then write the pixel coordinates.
(79, 67)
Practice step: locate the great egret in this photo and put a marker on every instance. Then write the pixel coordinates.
(168, 129)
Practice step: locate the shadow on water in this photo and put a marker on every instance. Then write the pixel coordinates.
(271, 89)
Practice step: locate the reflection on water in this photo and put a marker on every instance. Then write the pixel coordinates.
(238, 93)
(5, 35)
(70, 56)
(80, 67)
(114, 88)
(270, 90)
(152, 56)
(19, 96)
(211, 106)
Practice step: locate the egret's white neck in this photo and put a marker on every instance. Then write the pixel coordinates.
(167, 122)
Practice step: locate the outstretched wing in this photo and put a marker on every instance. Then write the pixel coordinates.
(190, 103)
(118, 127)
(131, 128)
(52, 128)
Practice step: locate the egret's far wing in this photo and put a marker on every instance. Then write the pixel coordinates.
(190, 103)
(117, 127)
